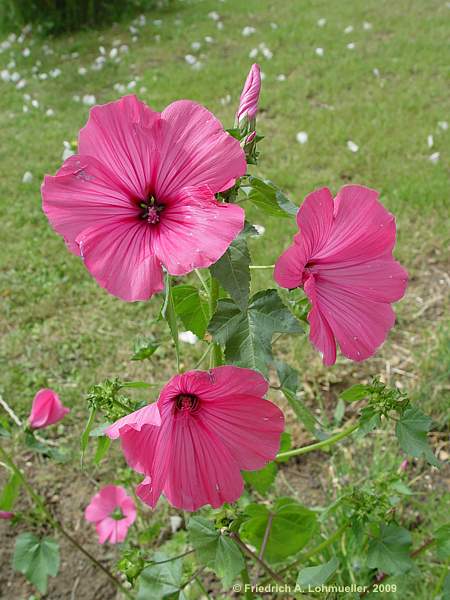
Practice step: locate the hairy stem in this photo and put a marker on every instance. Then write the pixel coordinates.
(266, 536)
(262, 266)
(255, 557)
(56, 524)
(318, 445)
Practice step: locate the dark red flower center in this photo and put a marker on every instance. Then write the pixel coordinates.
(151, 210)
(187, 403)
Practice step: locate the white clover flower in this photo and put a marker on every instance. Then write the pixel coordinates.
(27, 177)
(320, 51)
(352, 146)
(248, 30)
(89, 100)
(434, 158)
(302, 137)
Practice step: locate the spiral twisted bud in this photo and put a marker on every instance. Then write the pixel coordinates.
(248, 104)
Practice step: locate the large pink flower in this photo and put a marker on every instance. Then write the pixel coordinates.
(46, 409)
(113, 513)
(342, 257)
(140, 194)
(205, 428)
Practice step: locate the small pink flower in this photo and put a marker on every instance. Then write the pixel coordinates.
(113, 513)
(140, 194)
(248, 104)
(46, 409)
(342, 257)
(205, 428)
(404, 465)
(6, 515)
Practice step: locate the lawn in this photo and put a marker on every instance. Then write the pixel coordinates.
(381, 85)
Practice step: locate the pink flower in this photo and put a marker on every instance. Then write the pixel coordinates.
(6, 515)
(248, 104)
(140, 194)
(404, 465)
(205, 427)
(46, 409)
(342, 257)
(113, 513)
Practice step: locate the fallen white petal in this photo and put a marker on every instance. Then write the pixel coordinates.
(352, 146)
(188, 337)
(27, 177)
(430, 141)
(434, 158)
(321, 22)
(302, 137)
(319, 51)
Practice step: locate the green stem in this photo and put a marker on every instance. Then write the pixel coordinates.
(216, 354)
(262, 266)
(246, 584)
(56, 524)
(202, 281)
(203, 356)
(318, 445)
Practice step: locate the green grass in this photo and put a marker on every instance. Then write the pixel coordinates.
(60, 329)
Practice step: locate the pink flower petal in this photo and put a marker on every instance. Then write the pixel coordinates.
(202, 469)
(195, 150)
(85, 193)
(104, 502)
(46, 409)
(315, 221)
(118, 254)
(118, 135)
(226, 381)
(320, 333)
(249, 427)
(288, 272)
(195, 231)
(149, 415)
(363, 229)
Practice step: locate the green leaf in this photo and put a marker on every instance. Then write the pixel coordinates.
(247, 336)
(301, 411)
(84, 440)
(136, 385)
(411, 431)
(369, 420)
(317, 575)
(389, 550)
(293, 525)
(215, 550)
(442, 536)
(168, 313)
(356, 392)
(446, 588)
(103, 444)
(233, 273)
(36, 558)
(339, 411)
(263, 479)
(144, 349)
(61, 455)
(288, 376)
(266, 196)
(191, 308)
(10, 492)
(160, 580)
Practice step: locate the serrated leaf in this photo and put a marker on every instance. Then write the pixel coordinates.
(36, 558)
(10, 492)
(266, 196)
(191, 308)
(411, 431)
(215, 550)
(247, 336)
(160, 580)
(263, 479)
(368, 421)
(442, 536)
(356, 392)
(317, 575)
(232, 271)
(389, 550)
(293, 525)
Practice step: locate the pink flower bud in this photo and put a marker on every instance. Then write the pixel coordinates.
(250, 137)
(404, 465)
(6, 515)
(248, 104)
(46, 409)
